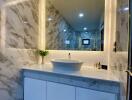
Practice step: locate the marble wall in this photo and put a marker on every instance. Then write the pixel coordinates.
(22, 25)
(21, 38)
(119, 60)
(122, 31)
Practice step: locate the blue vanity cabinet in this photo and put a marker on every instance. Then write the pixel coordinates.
(50, 86)
(87, 94)
(34, 89)
(57, 91)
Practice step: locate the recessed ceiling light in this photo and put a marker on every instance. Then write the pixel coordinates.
(85, 28)
(81, 15)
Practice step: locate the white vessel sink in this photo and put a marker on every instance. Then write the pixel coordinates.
(66, 64)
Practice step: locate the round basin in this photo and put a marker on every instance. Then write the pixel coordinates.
(66, 64)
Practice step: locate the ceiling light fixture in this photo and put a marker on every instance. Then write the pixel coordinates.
(85, 28)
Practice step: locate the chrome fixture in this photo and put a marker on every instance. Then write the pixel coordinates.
(69, 55)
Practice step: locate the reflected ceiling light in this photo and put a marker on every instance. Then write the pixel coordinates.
(67, 42)
(64, 30)
(81, 15)
(25, 22)
(125, 8)
(49, 19)
(85, 28)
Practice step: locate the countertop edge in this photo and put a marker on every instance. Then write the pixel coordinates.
(69, 75)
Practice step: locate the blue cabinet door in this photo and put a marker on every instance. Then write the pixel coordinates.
(34, 89)
(57, 91)
(87, 94)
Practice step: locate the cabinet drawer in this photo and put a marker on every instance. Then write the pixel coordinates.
(57, 91)
(87, 94)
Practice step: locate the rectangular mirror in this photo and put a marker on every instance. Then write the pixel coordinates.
(75, 25)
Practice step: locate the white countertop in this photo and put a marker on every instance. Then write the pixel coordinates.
(85, 72)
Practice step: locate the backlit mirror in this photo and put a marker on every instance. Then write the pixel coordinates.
(75, 25)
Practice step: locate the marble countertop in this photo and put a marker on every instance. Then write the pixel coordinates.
(91, 73)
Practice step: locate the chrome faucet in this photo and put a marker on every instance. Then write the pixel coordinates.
(69, 55)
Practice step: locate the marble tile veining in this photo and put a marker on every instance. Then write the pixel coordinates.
(122, 25)
(21, 37)
(22, 25)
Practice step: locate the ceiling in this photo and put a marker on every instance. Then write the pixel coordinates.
(93, 11)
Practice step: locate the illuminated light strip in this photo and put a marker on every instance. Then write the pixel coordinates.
(41, 27)
(41, 40)
(3, 31)
(109, 36)
(14, 2)
(112, 31)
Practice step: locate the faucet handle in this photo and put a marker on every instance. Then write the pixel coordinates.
(69, 55)
(98, 65)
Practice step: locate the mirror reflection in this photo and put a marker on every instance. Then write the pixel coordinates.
(78, 27)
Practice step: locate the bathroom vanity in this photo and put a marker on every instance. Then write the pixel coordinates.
(44, 83)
